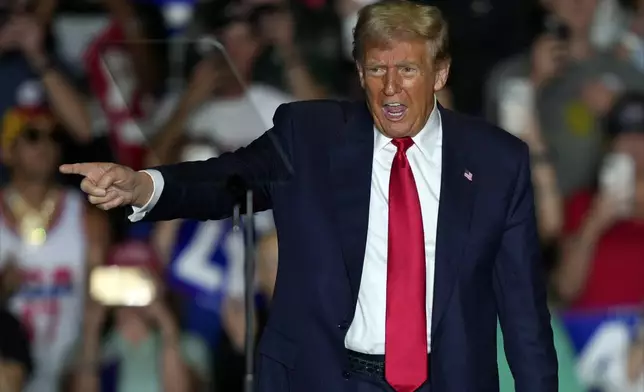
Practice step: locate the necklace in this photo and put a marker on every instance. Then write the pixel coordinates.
(32, 222)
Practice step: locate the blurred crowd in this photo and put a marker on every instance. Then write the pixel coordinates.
(145, 83)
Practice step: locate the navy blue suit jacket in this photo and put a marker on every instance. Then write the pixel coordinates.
(313, 168)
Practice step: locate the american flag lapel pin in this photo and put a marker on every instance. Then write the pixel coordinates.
(468, 174)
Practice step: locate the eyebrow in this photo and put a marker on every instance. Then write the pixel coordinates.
(400, 64)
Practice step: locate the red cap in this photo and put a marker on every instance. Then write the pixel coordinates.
(134, 253)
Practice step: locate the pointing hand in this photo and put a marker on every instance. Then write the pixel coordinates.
(109, 185)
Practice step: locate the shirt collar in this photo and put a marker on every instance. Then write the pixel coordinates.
(426, 139)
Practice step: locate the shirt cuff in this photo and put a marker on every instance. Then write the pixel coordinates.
(158, 183)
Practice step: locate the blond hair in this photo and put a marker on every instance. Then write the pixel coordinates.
(392, 20)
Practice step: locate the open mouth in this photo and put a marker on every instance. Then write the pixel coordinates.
(394, 111)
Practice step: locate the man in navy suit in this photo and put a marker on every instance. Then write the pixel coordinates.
(404, 229)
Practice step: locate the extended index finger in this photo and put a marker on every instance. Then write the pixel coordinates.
(82, 169)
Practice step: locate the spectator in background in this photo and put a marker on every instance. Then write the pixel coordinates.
(476, 28)
(297, 57)
(602, 262)
(562, 62)
(217, 106)
(511, 104)
(204, 259)
(52, 238)
(613, 360)
(15, 356)
(25, 62)
(143, 349)
(28, 69)
(205, 263)
(519, 118)
(127, 65)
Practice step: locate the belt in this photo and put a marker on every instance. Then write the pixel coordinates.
(370, 365)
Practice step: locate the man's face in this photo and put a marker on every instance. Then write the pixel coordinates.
(36, 151)
(399, 81)
(241, 44)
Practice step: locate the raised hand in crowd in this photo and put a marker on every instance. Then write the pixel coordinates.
(25, 33)
(578, 250)
(548, 56)
(599, 96)
(207, 77)
(278, 29)
(532, 135)
(548, 198)
(143, 57)
(608, 208)
(160, 315)
(109, 185)
(176, 374)
(95, 316)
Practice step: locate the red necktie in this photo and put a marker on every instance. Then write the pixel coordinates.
(406, 320)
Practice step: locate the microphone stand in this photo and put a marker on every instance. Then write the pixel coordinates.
(249, 283)
(249, 238)
(241, 191)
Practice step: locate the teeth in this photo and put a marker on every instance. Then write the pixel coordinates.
(392, 104)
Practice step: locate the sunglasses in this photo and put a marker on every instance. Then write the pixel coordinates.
(33, 136)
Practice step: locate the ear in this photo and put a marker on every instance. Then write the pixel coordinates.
(441, 75)
(360, 70)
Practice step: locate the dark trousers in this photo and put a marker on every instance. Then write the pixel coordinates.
(367, 373)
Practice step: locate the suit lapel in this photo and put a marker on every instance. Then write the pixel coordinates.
(454, 213)
(351, 159)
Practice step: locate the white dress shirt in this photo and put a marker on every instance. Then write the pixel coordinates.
(367, 331)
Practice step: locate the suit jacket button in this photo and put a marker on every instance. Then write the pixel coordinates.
(346, 375)
(343, 325)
